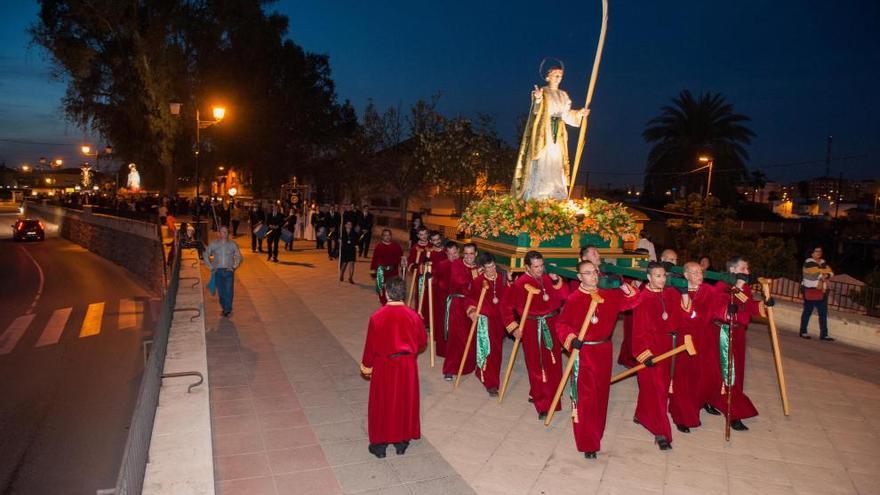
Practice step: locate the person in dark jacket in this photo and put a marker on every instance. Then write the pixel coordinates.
(290, 225)
(333, 226)
(274, 221)
(348, 245)
(366, 234)
(256, 217)
(319, 219)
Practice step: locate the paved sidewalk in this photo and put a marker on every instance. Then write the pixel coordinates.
(289, 412)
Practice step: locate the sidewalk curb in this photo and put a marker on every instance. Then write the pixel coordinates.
(181, 449)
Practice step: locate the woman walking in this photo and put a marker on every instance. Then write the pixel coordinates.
(348, 247)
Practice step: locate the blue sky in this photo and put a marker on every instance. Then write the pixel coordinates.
(802, 69)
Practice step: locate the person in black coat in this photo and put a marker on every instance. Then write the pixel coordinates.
(333, 223)
(348, 246)
(290, 225)
(256, 217)
(366, 234)
(274, 221)
(319, 221)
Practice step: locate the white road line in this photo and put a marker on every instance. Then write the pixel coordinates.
(92, 322)
(52, 333)
(128, 314)
(14, 332)
(42, 280)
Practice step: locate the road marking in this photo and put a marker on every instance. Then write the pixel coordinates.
(128, 314)
(55, 327)
(14, 332)
(92, 322)
(42, 280)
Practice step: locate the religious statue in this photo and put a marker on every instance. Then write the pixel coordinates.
(542, 166)
(86, 174)
(134, 178)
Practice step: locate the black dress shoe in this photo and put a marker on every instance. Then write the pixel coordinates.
(542, 416)
(738, 425)
(826, 339)
(636, 421)
(805, 336)
(448, 378)
(493, 392)
(400, 447)
(711, 410)
(590, 455)
(378, 449)
(683, 428)
(531, 400)
(663, 443)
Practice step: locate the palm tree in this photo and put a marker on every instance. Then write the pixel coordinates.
(691, 127)
(757, 182)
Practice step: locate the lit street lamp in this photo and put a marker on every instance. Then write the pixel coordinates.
(25, 168)
(58, 162)
(710, 162)
(218, 113)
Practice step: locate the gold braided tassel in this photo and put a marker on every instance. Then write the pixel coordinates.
(574, 413)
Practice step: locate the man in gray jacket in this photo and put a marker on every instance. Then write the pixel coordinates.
(223, 257)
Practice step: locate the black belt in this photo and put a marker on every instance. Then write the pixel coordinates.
(596, 342)
(548, 315)
(398, 354)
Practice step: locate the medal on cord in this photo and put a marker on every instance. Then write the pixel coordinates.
(494, 292)
(546, 296)
(664, 315)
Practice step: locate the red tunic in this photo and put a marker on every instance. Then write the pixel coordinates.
(458, 283)
(594, 360)
(686, 398)
(439, 288)
(387, 256)
(490, 374)
(394, 337)
(544, 365)
(741, 406)
(651, 337)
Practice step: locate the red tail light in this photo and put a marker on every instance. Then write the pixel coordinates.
(19, 226)
(40, 223)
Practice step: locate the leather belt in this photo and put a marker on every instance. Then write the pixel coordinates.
(398, 354)
(548, 315)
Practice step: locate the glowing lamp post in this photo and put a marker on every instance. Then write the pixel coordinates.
(710, 162)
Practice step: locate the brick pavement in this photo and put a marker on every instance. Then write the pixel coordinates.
(289, 412)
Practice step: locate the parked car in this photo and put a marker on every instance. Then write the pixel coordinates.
(28, 229)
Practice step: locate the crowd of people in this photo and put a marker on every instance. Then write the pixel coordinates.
(451, 288)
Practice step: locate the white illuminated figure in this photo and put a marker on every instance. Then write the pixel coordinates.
(134, 178)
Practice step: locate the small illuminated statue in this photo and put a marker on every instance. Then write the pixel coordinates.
(86, 174)
(542, 166)
(134, 178)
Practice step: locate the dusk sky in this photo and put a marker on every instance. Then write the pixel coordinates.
(801, 69)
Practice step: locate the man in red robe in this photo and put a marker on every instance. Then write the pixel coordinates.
(731, 316)
(460, 274)
(415, 261)
(659, 313)
(686, 395)
(436, 255)
(541, 352)
(625, 358)
(385, 263)
(394, 337)
(591, 379)
(489, 336)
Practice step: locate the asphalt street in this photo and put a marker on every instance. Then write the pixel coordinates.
(71, 327)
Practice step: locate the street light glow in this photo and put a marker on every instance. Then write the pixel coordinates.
(704, 159)
(219, 113)
(232, 191)
(59, 162)
(25, 168)
(86, 149)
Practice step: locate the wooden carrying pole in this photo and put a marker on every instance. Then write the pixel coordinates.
(467, 344)
(688, 346)
(573, 357)
(424, 289)
(431, 310)
(522, 322)
(412, 284)
(595, 74)
(774, 341)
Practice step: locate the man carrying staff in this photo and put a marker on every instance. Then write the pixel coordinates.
(731, 316)
(659, 314)
(489, 337)
(394, 337)
(415, 262)
(691, 372)
(542, 354)
(459, 275)
(385, 263)
(668, 258)
(437, 255)
(591, 380)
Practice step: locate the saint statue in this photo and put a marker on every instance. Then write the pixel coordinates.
(542, 168)
(134, 178)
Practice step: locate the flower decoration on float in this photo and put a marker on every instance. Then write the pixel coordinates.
(545, 219)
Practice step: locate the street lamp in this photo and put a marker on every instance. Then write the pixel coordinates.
(59, 162)
(86, 150)
(710, 162)
(218, 113)
(25, 168)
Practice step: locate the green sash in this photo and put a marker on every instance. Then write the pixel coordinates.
(483, 346)
(724, 345)
(380, 279)
(446, 316)
(573, 392)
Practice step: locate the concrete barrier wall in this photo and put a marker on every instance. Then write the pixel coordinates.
(132, 244)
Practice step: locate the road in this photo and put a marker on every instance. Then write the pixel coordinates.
(71, 327)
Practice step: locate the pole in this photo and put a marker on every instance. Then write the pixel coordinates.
(470, 338)
(522, 323)
(431, 312)
(198, 209)
(595, 74)
(774, 341)
(709, 179)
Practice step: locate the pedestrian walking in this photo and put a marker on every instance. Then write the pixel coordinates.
(274, 221)
(223, 257)
(234, 217)
(334, 224)
(814, 286)
(257, 220)
(290, 227)
(348, 245)
(311, 217)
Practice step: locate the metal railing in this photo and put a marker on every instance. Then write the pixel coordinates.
(130, 480)
(842, 296)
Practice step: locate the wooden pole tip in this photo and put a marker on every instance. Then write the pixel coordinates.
(689, 345)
